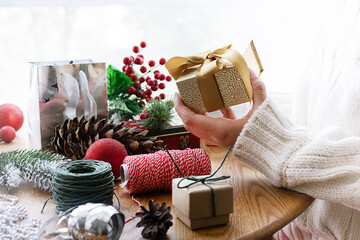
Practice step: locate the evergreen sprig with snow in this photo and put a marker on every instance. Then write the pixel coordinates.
(34, 166)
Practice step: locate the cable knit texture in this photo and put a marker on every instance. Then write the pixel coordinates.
(326, 167)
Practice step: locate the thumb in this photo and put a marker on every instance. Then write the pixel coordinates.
(259, 89)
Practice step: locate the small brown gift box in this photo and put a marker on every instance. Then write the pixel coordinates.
(209, 81)
(194, 205)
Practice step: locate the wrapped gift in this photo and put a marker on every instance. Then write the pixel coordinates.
(174, 137)
(65, 89)
(197, 207)
(209, 81)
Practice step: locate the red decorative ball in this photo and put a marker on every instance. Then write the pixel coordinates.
(143, 69)
(162, 95)
(161, 77)
(168, 78)
(162, 85)
(152, 63)
(143, 44)
(7, 134)
(131, 90)
(108, 150)
(136, 49)
(162, 61)
(11, 115)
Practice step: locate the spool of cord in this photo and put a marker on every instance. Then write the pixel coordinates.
(154, 172)
(79, 182)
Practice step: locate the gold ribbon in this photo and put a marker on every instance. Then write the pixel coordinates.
(210, 63)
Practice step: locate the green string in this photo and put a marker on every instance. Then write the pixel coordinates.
(82, 181)
(203, 180)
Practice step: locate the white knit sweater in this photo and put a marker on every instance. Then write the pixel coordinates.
(326, 167)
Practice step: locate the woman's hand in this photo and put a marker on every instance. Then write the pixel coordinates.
(220, 131)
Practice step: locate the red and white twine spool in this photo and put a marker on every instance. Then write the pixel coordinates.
(154, 172)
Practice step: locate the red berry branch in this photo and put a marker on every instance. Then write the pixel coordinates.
(144, 85)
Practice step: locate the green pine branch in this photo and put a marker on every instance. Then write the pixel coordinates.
(160, 114)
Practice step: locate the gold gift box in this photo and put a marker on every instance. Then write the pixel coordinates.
(209, 81)
(194, 205)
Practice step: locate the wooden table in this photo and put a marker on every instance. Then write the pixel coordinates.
(260, 209)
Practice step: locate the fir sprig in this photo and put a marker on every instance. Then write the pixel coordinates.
(160, 113)
(34, 166)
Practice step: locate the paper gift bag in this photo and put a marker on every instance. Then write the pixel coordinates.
(212, 80)
(60, 90)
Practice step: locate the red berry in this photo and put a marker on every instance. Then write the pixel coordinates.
(148, 98)
(134, 77)
(144, 111)
(162, 85)
(131, 59)
(148, 78)
(137, 85)
(156, 75)
(139, 94)
(126, 61)
(143, 69)
(138, 61)
(162, 95)
(152, 63)
(142, 79)
(142, 116)
(154, 88)
(161, 77)
(131, 90)
(150, 82)
(156, 71)
(7, 134)
(136, 49)
(168, 78)
(141, 56)
(162, 61)
(141, 104)
(148, 92)
(129, 70)
(124, 68)
(143, 44)
(157, 98)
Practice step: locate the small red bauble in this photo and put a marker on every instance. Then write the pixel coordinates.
(151, 63)
(162, 85)
(162, 61)
(136, 49)
(143, 44)
(161, 77)
(143, 69)
(168, 78)
(7, 134)
(11, 115)
(108, 150)
(131, 90)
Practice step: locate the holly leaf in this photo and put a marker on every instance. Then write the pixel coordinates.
(117, 82)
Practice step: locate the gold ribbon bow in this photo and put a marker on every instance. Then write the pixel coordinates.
(210, 63)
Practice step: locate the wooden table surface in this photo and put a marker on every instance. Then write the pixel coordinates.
(260, 209)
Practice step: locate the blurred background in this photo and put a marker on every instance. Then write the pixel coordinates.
(47, 30)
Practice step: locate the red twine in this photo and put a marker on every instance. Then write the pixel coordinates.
(154, 172)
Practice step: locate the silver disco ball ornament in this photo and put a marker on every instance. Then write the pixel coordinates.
(95, 221)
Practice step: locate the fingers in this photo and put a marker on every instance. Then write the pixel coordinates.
(228, 113)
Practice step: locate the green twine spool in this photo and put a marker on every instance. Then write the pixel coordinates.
(79, 182)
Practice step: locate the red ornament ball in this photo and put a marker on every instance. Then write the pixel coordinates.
(7, 134)
(108, 150)
(162, 61)
(11, 115)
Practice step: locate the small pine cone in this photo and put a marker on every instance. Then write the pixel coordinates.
(74, 136)
(156, 221)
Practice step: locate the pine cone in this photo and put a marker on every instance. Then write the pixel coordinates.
(74, 136)
(156, 221)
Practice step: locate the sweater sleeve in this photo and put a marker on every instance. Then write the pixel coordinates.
(326, 167)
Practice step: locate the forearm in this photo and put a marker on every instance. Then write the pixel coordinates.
(286, 154)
